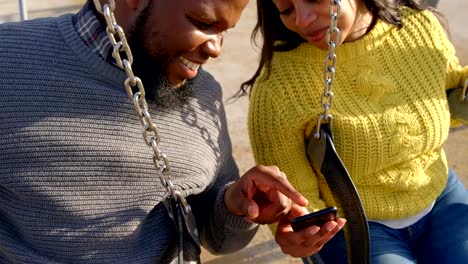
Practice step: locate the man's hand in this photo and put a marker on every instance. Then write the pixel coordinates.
(307, 241)
(263, 195)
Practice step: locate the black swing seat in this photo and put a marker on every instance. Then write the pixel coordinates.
(324, 159)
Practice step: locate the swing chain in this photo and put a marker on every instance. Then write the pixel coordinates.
(333, 38)
(124, 59)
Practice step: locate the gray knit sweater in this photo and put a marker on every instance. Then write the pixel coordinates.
(77, 182)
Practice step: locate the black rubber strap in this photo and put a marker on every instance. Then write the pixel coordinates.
(188, 242)
(323, 157)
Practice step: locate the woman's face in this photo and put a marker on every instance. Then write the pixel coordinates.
(311, 19)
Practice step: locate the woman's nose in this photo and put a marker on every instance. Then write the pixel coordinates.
(212, 47)
(305, 15)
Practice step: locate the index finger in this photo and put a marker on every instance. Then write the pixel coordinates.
(273, 177)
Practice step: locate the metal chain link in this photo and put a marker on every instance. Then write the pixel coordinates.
(151, 135)
(332, 37)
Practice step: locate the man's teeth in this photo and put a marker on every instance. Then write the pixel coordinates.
(191, 65)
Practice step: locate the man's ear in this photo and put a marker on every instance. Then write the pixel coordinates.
(133, 4)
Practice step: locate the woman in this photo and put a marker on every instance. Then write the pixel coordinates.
(396, 76)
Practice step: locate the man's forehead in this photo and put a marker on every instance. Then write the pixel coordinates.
(220, 11)
(215, 4)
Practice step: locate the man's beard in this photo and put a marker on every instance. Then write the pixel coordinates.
(151, 68)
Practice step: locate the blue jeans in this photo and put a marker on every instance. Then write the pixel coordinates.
(439, 237)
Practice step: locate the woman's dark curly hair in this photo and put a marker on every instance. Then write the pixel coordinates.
(272, 29)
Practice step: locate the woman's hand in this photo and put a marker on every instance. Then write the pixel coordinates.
(307, 241)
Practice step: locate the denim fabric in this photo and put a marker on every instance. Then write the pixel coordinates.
(439, 237)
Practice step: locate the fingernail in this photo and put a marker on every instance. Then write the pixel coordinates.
(329, 227)
(250, 210)
(313, 231)
(340, 225)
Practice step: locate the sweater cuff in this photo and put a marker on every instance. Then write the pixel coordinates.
(458, 109)
(233, 222)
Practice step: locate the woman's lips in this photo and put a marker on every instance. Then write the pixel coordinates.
(317, 35)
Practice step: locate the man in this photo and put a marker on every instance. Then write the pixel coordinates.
(78, 181)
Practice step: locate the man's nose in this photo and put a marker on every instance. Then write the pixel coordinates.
(212, 47)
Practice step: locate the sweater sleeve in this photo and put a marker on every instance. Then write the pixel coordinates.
(276, 124)
(457, 76)
(224, 232)
(220, 231)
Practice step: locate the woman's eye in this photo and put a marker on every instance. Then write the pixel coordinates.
(286, 11)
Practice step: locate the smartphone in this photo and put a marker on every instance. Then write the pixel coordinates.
(318, 218)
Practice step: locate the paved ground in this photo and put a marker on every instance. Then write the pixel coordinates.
(237, 63)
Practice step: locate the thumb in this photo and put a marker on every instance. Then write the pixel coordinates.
(250, 209)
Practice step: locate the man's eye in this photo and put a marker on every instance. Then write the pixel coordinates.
(201, 25)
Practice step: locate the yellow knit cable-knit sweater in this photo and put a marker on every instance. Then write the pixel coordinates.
(390, 114)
